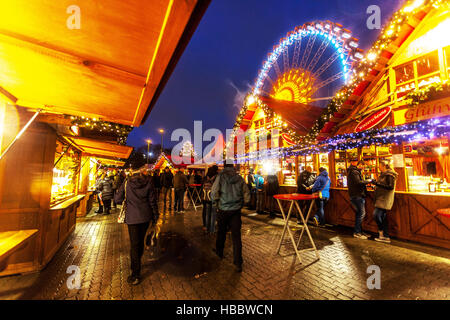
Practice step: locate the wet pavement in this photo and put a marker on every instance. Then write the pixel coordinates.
(183, 266)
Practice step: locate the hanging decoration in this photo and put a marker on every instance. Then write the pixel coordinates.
(432, 92)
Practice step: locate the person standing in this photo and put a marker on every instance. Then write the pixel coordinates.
(272, 189)
(209, 212)
(322, 185)
(384, 199)
(141, 209)
(105, 188)
(259, 186)
(252, 188)
(357, 192)
(180, 183)
(167, 185)
(305, 181)
(115, 181)
(157, 183)
(231, 193)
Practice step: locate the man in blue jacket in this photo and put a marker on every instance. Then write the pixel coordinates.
(231, 193)
(322, 184)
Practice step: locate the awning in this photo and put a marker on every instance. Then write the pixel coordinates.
(299, 117)
(110, 162)
(100, 148)
(111, 65)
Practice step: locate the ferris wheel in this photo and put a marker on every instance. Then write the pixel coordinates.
(309, 64)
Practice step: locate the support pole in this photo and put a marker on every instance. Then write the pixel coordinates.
(20, 133)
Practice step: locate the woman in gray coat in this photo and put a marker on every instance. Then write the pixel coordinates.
(384, 199)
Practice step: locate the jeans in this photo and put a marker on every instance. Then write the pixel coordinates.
(272, 204)
(259, 201)
(380, 217)
(166, 191)
(179, 197)
(137, 237)
(210, 214)
(252, 203)
(230, 219)
(107, 205)
(320, 213)
(359, 205)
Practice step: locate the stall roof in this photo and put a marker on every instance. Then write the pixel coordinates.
(111, 162)
(112, 67)
(371, 78)
(100, 148)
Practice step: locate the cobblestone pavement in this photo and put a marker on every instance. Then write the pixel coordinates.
(184, 267)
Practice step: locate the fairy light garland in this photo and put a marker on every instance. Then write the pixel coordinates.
(422, 130)
(120, 130)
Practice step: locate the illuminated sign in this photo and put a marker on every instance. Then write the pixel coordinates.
(424, 111)
(373, 120)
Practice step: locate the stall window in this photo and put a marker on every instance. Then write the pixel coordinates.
(65, 173)
(288, 171)
(447, 60)
(427, 166)
(340, 169)
(417, 73)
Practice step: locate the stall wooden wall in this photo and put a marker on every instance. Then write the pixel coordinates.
(413, 216)
(25, 185)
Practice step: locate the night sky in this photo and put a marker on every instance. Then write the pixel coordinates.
(227, 50)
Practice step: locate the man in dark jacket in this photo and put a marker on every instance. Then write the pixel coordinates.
(305, 181)
(105, 187)
(180, 183)
(167, 185)
(272, 189)
(252, 188)
(157, 183)
(230, 192)
(357, 192)
(141, 209)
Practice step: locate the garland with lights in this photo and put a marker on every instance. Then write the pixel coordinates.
(120, 130)
(425, 129)
(388, 34)
(432, 92)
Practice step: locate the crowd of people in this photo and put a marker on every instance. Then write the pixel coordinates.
(223, 194)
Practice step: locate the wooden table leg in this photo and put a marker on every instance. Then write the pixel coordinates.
(285, 225)
(305, 227)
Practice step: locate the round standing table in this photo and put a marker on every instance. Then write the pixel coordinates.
(293, 199)
(194, 195)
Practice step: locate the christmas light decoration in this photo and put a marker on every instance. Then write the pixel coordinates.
(119, 130)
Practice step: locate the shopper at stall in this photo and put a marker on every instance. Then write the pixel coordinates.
(305, 181)
(115, 180)
(322, 187)
(384, 199)
(99, 195)
(231, 193)
(167, 185)
(252, 188)
(180, 183)
(209, 213)
(141, 209)
(357, 193)
(198, 179)
(259, 187)
(157, 183)
(272, 189)
(105, 187)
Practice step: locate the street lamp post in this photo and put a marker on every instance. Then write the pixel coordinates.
(148, 149)
(162, 133)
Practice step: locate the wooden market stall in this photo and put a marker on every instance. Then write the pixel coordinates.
(396, 107)
(94, 70)
(407, 92)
